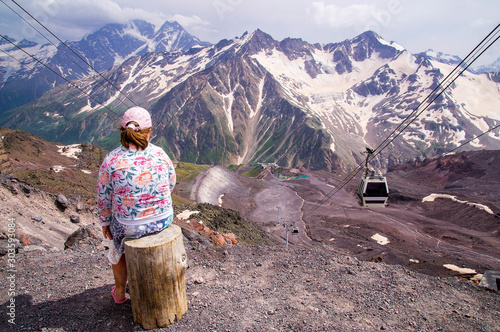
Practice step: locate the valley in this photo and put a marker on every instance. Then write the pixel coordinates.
(322, 281)
(422, 236)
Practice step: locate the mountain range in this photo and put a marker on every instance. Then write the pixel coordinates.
(100, 50)
(255, 99)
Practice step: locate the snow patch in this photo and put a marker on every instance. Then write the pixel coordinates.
(259, 103)
(391, 44)
(58, 168)
(382, 240)
(186, 214)
(71, 151)
(461, 270)
(432, 197)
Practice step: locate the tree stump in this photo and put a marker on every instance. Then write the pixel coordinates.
(156, 266)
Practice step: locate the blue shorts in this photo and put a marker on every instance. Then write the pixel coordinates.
(121, 232)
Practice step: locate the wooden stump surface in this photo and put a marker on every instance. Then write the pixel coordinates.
(156, 267)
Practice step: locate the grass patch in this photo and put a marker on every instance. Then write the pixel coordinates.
(254, 172)
(227, 221)
(233, 168)
(187, 171)
(178, 200)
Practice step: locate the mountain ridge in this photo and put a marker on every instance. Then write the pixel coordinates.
(103, 49)
(351, 93)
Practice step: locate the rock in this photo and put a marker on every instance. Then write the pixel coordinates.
(61, 202)
(191, 235)
(80, 206)
(26, 189)
(218, 239)
(83, 235)
(34, 247)
(377, 259)
(23, 238)
(37, 218)
(5, 245)
(11, 188)
(230, 238)
(74, 219)
(199, 280)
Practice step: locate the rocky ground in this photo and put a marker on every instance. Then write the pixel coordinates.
(229, 287)
(424, 236)
(250, 288)
(322, 282)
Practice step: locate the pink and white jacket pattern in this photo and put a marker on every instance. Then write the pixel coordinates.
(135, 186)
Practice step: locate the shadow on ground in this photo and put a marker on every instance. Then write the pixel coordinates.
(92, 310)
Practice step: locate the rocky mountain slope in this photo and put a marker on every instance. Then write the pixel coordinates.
(255, 99)
(102, 49)
(58, 168)
(322, 282)
(441, 211)
(229, 287)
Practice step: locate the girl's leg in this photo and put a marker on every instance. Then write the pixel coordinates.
(120, 274)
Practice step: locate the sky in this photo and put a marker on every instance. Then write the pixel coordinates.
(451, 26)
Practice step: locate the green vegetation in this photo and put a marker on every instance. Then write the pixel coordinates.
(69, 182)
(187, 171)
(110, 142)
(233, 168)
(254, 172)
(178, 200)
(227, 221)
(162, 142)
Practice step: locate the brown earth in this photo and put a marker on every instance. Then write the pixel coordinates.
(322, 282)
(423, 236)
(229, 287)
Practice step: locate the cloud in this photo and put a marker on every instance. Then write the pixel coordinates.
(481, 22)
(336, 17)
(189, 21)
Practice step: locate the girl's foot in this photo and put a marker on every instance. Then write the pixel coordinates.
(116, 298)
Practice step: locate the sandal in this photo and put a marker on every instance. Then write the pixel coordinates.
(114, 298)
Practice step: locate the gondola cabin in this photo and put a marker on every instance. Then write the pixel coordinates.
(373, 190)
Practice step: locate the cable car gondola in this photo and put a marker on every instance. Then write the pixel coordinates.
(372, 190)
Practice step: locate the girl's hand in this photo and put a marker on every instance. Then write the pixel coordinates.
(107, 233)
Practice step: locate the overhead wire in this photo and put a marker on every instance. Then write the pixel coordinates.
(59, 48)
(453, 75)
(43, 76)
(351, 175)
(56, 73)
(40, 33)
(431, 97)
(449, 152)
(75, 53)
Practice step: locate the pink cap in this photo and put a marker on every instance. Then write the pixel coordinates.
(139, 115)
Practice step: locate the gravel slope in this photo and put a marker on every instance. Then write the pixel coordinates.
(251, 288)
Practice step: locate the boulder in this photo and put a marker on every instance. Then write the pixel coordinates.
(74, 219)
(5, 245)
(23, 238)
(87, 235)
(61, 202)
(37, 218)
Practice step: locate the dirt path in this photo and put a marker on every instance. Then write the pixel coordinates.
(339, 224)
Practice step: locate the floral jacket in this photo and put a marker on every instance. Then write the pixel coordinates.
(135, 186)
